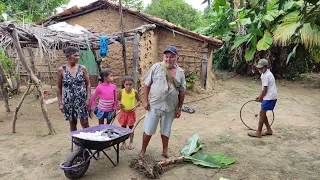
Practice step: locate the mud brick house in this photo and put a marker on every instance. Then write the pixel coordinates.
(195, 50)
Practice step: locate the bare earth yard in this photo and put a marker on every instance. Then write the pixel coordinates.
(293, 152)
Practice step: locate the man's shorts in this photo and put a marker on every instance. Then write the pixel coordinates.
(152, 119)
(268, 105)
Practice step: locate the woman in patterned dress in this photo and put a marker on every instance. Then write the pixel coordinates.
(77, 89)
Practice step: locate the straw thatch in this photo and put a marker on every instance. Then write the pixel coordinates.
(46, 39)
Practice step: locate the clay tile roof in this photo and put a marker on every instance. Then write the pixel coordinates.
(77, 11)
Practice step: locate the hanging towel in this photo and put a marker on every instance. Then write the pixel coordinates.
(103, 46)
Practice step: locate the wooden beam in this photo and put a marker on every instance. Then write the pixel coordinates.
(123, 41)
(135, 61)
(204, 64)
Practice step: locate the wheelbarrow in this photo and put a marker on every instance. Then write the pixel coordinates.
(77, 163)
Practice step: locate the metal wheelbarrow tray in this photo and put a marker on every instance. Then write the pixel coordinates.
(78, 161)
(100, 145)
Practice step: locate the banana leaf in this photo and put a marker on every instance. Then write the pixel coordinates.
(265, 42)
(210, 160)
(249, 55)
(192, 147)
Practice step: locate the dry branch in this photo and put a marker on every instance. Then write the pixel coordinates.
(18, 108)
(4, 91)
(45, 111)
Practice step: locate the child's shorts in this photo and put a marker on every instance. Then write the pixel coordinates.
(101, 114)
(127, 118)
(268, 105)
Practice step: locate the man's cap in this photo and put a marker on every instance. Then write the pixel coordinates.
(171, 49)
(262, 63)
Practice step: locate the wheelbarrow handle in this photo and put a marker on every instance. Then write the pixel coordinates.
(114, 117)
(140, 119)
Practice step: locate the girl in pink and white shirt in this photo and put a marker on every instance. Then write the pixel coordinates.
(107, 105)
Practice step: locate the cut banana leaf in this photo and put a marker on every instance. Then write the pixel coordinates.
(205, 160)
(210, 160)
(192, 147)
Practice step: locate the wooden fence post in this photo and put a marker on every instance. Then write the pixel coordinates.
(135, 61)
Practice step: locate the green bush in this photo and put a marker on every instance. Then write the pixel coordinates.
(191, 79)
(298, 65)
(222, 59)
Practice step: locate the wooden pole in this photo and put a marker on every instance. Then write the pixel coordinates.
(3, 81)
(135, 61)
(123, 41)
(35, 80)
(204, 64)
(33, 69)
(18, 108)
(21, 56)
(17, 62)
(45, 111)
(49, 69)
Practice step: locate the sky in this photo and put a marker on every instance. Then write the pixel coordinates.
(195, 3)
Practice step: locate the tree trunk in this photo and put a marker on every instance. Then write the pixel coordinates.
(3, 81)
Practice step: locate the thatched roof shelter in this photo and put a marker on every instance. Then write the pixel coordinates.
(47, 39)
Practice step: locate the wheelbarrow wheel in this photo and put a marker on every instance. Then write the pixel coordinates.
(75, 158)
(249, 114)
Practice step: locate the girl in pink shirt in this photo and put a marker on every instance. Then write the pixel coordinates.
(107, 105)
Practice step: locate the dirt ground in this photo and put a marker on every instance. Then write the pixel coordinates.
(293, 152)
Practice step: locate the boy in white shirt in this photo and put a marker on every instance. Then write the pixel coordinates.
(268, 98)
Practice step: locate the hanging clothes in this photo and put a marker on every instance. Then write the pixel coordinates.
(103, 46)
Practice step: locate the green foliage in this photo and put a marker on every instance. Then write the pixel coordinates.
(217, 23)
(2, 10)
(191, 79)
(222, 59)
(175, 11)
(299, 64)
(6, 63)
(265, 42)
(137, 4)
(258, 25)
(31, 10)
(249, 54)
(191, 154)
